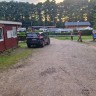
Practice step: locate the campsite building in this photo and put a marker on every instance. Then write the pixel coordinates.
(8, 34)
(33, 28)
(74, 25)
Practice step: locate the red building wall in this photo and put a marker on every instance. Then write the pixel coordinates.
(74, 27)
(2, 46)
(8, 42)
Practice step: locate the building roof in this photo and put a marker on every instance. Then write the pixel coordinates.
(64, 30)
(42, 26)
(10, 22)
(77, 23)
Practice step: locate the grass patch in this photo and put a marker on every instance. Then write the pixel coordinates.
(22, 44)
(83, 42)
(74, 38)
(12, 56)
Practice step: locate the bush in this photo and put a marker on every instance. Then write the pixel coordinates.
(38, 30)
(21, 38)
(83, 32)
(63, 33)
(21, 34)
(86, 32)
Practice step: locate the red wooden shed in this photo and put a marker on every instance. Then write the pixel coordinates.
(8, 34)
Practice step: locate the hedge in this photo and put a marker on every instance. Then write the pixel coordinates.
(83, 32)
(21, 38)
(86, 32)
(22, 35)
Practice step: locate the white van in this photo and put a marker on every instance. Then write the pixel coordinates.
(21, 30)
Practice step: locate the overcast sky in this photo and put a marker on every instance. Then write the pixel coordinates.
(30, 1)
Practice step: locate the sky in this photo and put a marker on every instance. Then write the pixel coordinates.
(31, 1)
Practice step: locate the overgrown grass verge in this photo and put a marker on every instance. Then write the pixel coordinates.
(12, 56)
(22, 44)
(83, 42)
(74, 38)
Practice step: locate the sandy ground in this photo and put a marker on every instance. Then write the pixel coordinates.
(64, 68)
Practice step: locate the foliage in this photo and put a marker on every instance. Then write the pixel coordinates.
(22, 38)
(86, 32)
(38, 31)
(95, 16)
(21, 34)
(48, 13)
(83, 32)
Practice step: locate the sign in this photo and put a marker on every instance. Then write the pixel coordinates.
(12, 33)
(94, 35)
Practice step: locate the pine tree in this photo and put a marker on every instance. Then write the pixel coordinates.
(95, 17)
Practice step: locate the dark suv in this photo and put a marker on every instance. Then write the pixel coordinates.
(37, 38)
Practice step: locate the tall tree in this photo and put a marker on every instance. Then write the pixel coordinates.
(94, 16)
(48, 13)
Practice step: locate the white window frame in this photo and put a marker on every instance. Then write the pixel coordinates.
(14, 31)
(9, 34)
(2, 35)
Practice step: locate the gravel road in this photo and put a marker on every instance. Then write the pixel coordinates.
(64, 68)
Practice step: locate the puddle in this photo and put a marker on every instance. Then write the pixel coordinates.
(48, 71)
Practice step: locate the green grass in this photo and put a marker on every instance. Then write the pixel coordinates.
(12, 56)
(22, 44)
(74, 38)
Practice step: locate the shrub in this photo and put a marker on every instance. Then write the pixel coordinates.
(86, 32)
(21, 34)
(38, 30)
(21, 38)
(83, 32)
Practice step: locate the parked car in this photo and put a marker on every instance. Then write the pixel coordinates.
(37, 38)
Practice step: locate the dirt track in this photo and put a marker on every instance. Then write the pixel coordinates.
(64, 68)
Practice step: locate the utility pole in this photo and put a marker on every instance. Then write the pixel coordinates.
(44, 25)
(31, 26)
(77, 25)
(53, 21)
